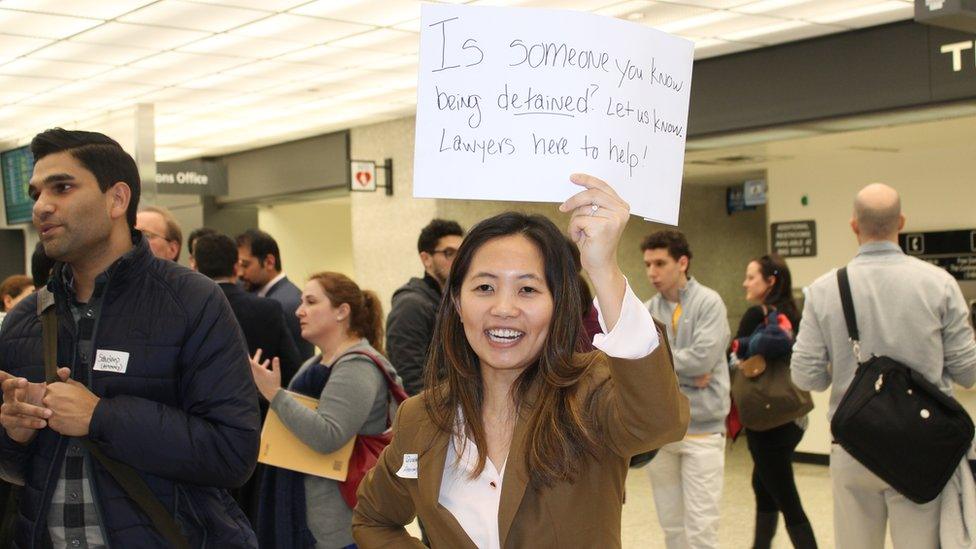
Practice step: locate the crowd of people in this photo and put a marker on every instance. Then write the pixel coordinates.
(531, 387)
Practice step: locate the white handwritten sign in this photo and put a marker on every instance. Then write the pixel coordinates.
(511, 101)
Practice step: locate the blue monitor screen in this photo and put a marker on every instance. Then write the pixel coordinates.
(16, 167)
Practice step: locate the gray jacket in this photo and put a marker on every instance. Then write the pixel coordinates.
(699, 348)
(907, 309)
(354, 401)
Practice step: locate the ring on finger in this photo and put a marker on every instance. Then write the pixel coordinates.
(594, 208)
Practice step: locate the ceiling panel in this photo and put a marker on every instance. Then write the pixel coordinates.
(266, 5)
(67, 50)
(187, 15)
(28, 84)
(12, 47)
(243, 46)
(332, 56)
(139, 36)
(98, 9)
(874, 14)
(276, 69)
(384, 40)
(368, 12)
(82, 101)
(52, 69)
(310, 30)
(187, 65)
(41, 25)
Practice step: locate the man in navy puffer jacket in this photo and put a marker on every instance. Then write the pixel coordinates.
(159, 377)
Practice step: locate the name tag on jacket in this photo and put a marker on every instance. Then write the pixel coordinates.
(111, 361)
(409, 467)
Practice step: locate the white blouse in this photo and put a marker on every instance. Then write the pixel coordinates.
(474, 503)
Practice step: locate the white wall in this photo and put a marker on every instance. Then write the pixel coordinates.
(312, 236)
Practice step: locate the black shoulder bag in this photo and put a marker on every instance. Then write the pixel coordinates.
(127, 477)
(898, 424)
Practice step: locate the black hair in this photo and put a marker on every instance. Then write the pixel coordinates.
(261, 244)
(672, 240)
(780, 294)
(99, 154)
(435, 231)
(41, 266)
(215, 255)
(197, 233)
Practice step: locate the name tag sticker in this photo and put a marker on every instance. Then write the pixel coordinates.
(409, 467)
(111, 361)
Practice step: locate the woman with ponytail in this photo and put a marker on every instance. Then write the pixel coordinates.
(345, 323)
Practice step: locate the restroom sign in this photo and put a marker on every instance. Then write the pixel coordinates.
(795, 238)
(362, 175)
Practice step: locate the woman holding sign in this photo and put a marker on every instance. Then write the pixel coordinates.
(300, 510)
(519, 441)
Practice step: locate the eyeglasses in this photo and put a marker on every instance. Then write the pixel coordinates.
(449, 253)
(151, 235)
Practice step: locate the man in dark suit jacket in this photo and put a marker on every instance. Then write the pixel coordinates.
(263, 324)
(259, 267)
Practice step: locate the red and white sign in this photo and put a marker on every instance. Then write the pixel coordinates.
(363, 175)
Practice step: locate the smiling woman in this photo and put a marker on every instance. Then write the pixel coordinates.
(510, 405)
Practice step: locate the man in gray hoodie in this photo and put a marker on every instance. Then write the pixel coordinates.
(687, 476)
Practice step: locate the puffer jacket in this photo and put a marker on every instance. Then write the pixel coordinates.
(184, 414)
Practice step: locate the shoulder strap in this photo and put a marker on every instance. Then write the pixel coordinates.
(394, 388)
(127, 477)
(850, 317)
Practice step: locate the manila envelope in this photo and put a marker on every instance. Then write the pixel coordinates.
(281, 448)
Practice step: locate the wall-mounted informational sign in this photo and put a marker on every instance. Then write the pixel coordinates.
(754, 192)
(191, 177)
(511, 101)
(954, 251)
(795, 238)
(362, 176)
(16, 167)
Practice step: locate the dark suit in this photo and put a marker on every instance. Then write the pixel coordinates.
(263, 324)
(290, 297)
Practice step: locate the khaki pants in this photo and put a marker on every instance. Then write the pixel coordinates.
(686, 479)
(863, 504)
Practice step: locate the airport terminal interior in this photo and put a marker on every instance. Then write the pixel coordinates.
(266, 113)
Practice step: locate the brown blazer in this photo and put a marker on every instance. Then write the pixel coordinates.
(643, 409)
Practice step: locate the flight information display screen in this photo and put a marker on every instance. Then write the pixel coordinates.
(16, 167)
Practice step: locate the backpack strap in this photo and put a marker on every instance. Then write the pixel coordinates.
(394, 388)
(847, 303)
(127, 477)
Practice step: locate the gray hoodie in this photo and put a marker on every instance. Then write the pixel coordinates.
(699, 348)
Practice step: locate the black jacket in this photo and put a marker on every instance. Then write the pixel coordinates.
(410, 328)
(263, 323)
(184, 413)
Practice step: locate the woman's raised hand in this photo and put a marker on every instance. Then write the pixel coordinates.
(599, 218)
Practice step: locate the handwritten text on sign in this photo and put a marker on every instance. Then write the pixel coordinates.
(510, 101)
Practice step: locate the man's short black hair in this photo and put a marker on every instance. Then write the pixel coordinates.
(99, 154)
(672, 240)
(195, 234)
(215, 255)
(41, 266)
(261, 244)
(435, 231)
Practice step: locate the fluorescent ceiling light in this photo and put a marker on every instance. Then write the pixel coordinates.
(242, 46)
(368, 12)
(188, 15)
(67, 50)
(52, 69)
(764, 6)
(139, 36)
(98, 9)
(266, 5)
(745, 35)
(385, 40)
(624, 8)
(298, 28)
(697, 21)
(41, 25)
(865, 11)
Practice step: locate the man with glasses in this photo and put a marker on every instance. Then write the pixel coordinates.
(162, 231)
(259, 267)
(410, 325)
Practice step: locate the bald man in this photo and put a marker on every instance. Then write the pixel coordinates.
(907, 309)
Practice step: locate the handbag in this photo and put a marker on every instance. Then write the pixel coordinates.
(367, 448)
(765, 395)
(896, 423)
